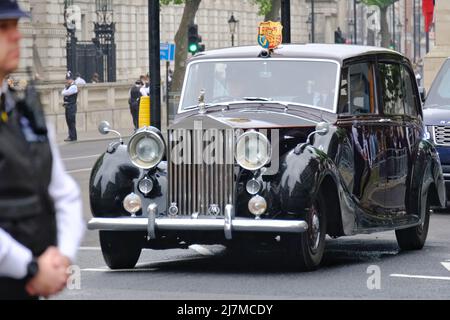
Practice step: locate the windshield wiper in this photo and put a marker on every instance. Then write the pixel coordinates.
(257, 99)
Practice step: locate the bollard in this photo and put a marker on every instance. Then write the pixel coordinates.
(144, 112)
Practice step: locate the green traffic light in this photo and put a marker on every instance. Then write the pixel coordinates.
(193, 48)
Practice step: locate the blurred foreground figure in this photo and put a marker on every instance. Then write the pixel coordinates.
(41, 221)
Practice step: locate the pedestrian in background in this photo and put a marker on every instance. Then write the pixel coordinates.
(95, 78)
(134, 101)
(41, 223)
(70, 94)
(79, 81)
(145, 90)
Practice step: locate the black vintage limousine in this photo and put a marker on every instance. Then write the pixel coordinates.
(282, 146)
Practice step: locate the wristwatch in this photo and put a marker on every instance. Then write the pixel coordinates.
(32, 269)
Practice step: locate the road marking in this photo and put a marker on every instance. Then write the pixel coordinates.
(80, 170)
(420, 277)
(84, 157)
(446, 265)
(201, 250)
(90, 249)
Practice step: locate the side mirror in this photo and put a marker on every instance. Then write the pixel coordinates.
(104, 127)
(322, 128)
(423, 94)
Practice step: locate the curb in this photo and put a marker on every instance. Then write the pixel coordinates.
(92, 139)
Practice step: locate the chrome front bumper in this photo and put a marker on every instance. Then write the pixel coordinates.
(228, 224)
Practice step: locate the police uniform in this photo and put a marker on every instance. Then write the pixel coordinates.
(135, 98)
(70, 94)
(40, 204)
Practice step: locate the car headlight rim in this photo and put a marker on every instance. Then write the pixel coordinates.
(261, 138)
(137, 140)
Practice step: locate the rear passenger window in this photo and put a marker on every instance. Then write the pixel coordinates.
(410, 100)
(391, 88)
(356, 88)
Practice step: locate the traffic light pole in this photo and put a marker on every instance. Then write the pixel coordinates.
(286, 20)
(154, 60)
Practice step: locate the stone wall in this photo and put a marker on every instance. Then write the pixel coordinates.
(96, 102)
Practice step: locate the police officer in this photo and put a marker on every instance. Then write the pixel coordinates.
(70, 94)
(41, 221)
(135, 98)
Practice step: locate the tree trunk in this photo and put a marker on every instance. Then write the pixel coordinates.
(274, 13)
(181, 42)
(384, 28)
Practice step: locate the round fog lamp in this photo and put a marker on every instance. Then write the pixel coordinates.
(253, 187)
(132, 203)
(257, 205)
(145, 186)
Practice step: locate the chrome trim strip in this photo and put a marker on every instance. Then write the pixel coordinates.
(229, 216)
(202, 224)
(152, 212)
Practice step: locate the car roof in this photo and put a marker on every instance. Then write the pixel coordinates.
(336, 52)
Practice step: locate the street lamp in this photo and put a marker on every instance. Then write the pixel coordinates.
(351, 23)
(232, 23)
(399, 42)
(309, 26)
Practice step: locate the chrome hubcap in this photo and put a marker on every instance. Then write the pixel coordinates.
(314, 229)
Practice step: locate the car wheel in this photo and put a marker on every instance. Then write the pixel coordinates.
(414, 238)
(121, 250)
(305, 251)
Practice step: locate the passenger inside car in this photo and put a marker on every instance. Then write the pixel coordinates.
(359, 89)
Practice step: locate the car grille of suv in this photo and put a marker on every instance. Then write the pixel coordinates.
(442, 135)
(196, 186)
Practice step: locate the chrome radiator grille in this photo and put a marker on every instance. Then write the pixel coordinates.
(442, 135)
(198, 183)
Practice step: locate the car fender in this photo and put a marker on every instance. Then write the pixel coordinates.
(113, 177)
(427, 171)
(302, 174)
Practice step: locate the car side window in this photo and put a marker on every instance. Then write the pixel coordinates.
(356, 88)
(343, 93)
(391, 88)
(409, 93)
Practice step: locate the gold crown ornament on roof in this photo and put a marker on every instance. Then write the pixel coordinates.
(270, 35)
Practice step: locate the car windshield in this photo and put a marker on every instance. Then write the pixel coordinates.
(311, 83)
(439, 95)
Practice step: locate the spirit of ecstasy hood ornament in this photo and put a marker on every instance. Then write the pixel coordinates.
(201, 102)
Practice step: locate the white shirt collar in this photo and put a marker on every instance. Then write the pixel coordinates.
(4, 87)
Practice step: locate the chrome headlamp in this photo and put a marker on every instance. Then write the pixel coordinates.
(253, 150)
(146, 148)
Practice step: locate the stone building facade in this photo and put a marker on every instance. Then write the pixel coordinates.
(45, 36)
(44, 43)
